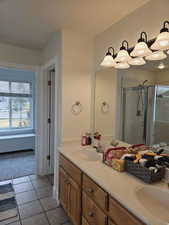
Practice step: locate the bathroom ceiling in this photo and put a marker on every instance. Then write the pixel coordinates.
(30, 23)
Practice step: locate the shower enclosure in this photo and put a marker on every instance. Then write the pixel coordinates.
(146, 114)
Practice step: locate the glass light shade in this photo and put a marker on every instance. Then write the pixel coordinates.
(161, 66)
(141, 49)
(168, 52)
(122, 65)
(159, 55)
(122, 56)
(161, 42)
(137, 61)
(108, 61)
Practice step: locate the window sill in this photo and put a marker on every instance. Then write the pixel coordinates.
(6, 137)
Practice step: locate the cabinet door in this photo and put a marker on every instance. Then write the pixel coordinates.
(74, 202)
(63, 188)
(92, 213)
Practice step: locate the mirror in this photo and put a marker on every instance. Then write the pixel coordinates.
(132, 105)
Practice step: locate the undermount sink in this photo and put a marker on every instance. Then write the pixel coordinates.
(90, 155)
(155, 201)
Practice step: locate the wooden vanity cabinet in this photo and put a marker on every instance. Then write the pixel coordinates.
(86, 203)
(120, 215)
(97, 194)
(92, 213)
(70, 190)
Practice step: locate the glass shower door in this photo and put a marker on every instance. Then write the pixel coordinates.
(161, 124)
(135, 115)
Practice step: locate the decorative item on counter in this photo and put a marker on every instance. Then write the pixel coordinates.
(89, 139)
(146, 165)
(118, 164)
(114, 143)
(96, 139)
(137, 148)
(84, 140)
(113, 153)
(76, 108)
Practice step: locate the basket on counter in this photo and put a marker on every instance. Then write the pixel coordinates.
(144, 173)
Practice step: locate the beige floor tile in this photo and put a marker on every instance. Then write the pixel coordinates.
(48, 203)
(21, 180)
(19, 188)
(44, 192)
(15, 223)
(30, 209)
(57, 216)
(36, 220)
(26, 197)
(41, 182)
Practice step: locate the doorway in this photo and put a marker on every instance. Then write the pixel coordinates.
(17, 123)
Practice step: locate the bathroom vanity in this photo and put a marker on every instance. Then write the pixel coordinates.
(93, 194)
(86, 202)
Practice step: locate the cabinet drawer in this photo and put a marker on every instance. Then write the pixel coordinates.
(92, 213)
(71, 169)
(95, 192)
(84, 222)
(121, 215)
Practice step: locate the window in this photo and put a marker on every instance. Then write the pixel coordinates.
(15, 105)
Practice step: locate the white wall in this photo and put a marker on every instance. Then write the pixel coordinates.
(77, 69)
(18, 55)
(105, 90)
(52, 48)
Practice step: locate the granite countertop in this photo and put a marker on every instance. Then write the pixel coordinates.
(120, 186)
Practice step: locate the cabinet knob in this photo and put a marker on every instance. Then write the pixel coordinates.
(90, 190)
(91, 214)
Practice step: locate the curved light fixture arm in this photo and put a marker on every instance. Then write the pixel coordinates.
(143, 37)
(109, 50)
(165, 29)
(123, 45)
(165, 23)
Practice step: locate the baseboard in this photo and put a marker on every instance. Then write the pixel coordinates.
(56, 195)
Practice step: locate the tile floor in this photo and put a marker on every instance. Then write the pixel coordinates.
(35, 203)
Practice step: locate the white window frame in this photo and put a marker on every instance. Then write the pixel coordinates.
(8, 94)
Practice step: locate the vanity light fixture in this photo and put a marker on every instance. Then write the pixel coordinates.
(137, 61)
(108, 60)
(162, 40)
(161, 66)
(122, 65)
(123, 55)
(141, 49)
(159, 55)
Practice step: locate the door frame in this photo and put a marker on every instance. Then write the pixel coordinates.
(53, 63)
